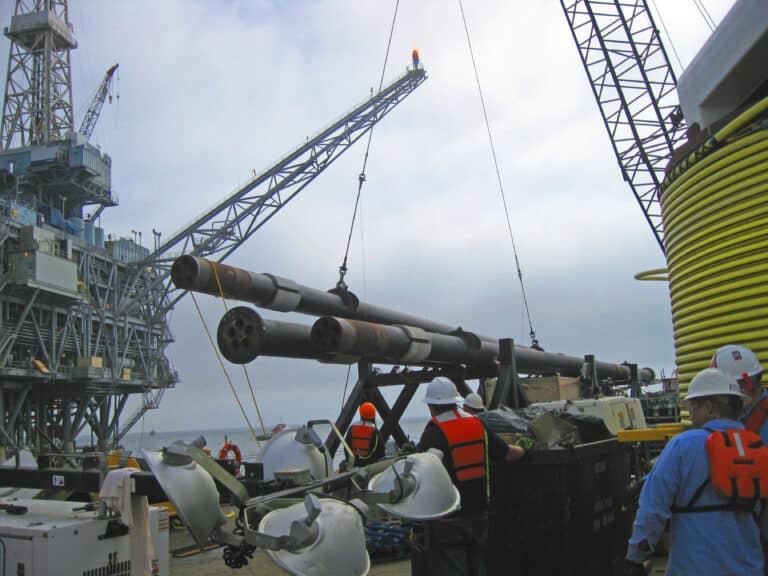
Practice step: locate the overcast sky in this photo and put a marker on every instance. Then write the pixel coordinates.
(211, 90)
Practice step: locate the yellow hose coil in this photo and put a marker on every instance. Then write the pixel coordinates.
(714, 207)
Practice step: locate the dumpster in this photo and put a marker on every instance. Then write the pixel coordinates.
(561, 511)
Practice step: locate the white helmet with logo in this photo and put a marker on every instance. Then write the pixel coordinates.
(713, 382)
(442, 391)
(473, 400)
(739, 362)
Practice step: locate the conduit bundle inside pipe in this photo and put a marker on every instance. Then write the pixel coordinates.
(715, 214)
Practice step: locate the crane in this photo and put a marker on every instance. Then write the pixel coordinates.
(636, 91)
(221, 230)
(92, 116)
(99, 329)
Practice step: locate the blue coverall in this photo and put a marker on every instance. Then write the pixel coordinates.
(703, 543)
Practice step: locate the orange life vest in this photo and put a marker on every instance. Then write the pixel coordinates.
(738, 464)
(757, 417)
(738, 470)
(362, 439)
(467, 444)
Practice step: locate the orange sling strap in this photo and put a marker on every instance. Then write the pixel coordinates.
(361, 439)
(466, 440)
(757, 417)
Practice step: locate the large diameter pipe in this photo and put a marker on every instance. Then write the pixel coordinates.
(408, 345)
(276, 293)
(243, 335)
(400, 344)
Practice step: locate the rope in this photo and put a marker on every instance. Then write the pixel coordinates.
(669, 37)
(532, 333)
(247, 378)
(224, 369)
(361, 178)
(704, 14)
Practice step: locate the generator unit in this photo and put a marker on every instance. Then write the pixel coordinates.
(52, 538)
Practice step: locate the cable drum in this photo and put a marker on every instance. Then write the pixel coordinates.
(714, 205)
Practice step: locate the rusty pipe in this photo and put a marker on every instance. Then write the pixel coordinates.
(408, 345)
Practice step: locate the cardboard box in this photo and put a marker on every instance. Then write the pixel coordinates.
(126, 375)
(90, 362)
(551, 388)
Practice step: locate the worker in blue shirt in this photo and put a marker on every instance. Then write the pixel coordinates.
(716, 541)
(743, 365)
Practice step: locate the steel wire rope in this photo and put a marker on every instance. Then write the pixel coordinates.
(532, 333)
(245, 371)
(341, 285)
(224, 369)
(669, 36)
(704, 14)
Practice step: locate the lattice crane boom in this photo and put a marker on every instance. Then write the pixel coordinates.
(94, 110)
(225, 227)
(636, 91)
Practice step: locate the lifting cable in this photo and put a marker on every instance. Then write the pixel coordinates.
(532, 333)
(705, 14)
(666, 31)
(341, 284)
(224, 369)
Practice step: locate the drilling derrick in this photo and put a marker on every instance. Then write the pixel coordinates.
(83, 321)
(68, 362)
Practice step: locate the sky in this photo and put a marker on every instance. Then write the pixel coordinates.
(211, 90)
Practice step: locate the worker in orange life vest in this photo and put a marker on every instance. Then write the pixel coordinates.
(364, 437)
(705, 487)
(456, 545)
(742, 364)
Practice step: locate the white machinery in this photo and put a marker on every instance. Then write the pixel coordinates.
(618, 412)
(52, 538)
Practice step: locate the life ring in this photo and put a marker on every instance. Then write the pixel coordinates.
(230, 447)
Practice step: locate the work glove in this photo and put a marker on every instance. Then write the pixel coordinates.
(525, 442)
(634, 568)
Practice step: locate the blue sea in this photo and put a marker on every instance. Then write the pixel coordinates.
(134, 442)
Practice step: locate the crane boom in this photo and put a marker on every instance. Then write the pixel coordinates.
(94, 110)
(222, 229)
(636, 90)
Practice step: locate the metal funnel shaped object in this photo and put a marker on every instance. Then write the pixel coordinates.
(291, 451)
(337, 543)
(419, 488)
(191, 490)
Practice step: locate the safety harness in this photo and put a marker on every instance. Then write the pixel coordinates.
(738, 470)
(467, 444)
(364, 439)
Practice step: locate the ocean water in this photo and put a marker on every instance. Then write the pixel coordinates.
(134, 442)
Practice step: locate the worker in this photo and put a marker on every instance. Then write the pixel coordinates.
(711, 530)
(456, 544)
(364, 437)
(742, 364)
(473, 404)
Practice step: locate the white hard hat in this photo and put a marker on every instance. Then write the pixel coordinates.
(713, 382)
(473, 400)
(441, 391)
(736, 361)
